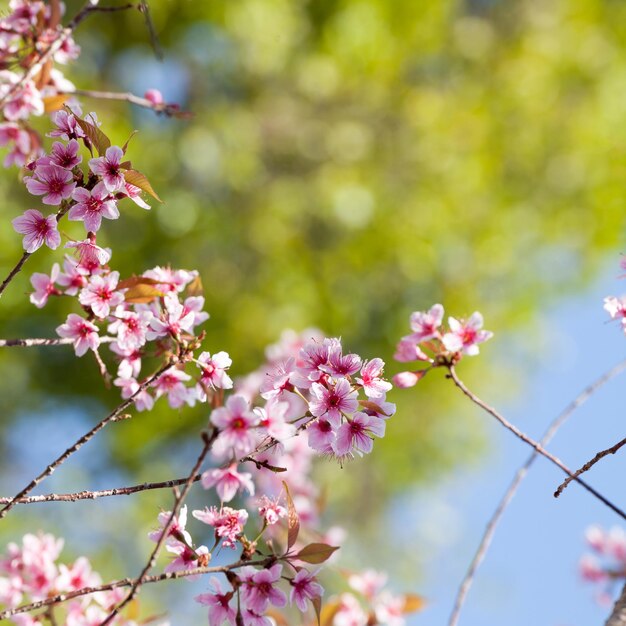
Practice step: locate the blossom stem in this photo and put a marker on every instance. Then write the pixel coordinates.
(490, 529)
(166, 109)
(531, 442)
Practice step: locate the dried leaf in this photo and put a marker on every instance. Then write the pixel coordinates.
(139, 180)
(95, 135)
(372, 406)
(316, 553)
(54, 103)
(195, 288)
(293, 521)
(136, 280)
(125, 146)
(317, 605)
(142, 294)
(413, 602)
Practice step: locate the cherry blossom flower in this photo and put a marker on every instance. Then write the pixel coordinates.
(154, 96)
(465, 336)
(73, 278)
(100, 294)
(92, 206)
(188, 558)
(227, 482)
(235, 421)
(66, 126)
(425, 325)
(37, 230)
(331, 402)
(134, 193)
(304, 587)
(65, 156)
(218, 602)
(368, 583)
(176, 533)
(339, 365)
(143, 400)
(321, 436)
(270, 510)
(404, 380)
(213, 370)
(109, 167)
(350, 612)
(407, 350)
(228, 523)
(84, 333)
(130, 365)
(262, 591)
(91, 256)
(77, 576)
(44, 286)
(52, 182)
(173, 321)
(130, 327)
(172, 383)
(373, 385)
(273, 418)
(355, 435)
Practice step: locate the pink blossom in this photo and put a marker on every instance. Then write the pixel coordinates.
(273, 419)
(304, 586)
(169, 279)
(37, 230)
(174, 319)
(425, 325)
(407, 350)
(350, 612)
(389, 609)
(23, 102)
(131, 328)
(77, 576)
(368, 583)
(195, 304)
(262, 591)
(90, 255)
(213, 370)
(143, 400)
(404, 380)
(100, 294)
(321, 436)
(65, 156)
(270, 510)
(228, 523)
(591, 570)
(235, 421)
(219, 604)
(176, 533)
(188, 558)
(130, 364)
(134, 193)
(339, 365)
(92, 206)
(109, 167)
(84, 333)
(66, 126)
(172, 384)
(44, 286)
(74, 276)
(355, 435)
(373, 385)
(465, 336)
(331, 402)
(227, 482)
(313, 356)
(52, 182)
(279, 378)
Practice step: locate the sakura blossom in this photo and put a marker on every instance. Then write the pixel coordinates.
(109, 167)
(331, 402)
(235, 421)
(465, 336)
(83, 332)
(371, 379)
(219, 603)
(52, 182)
(91, 256)
(355, 435)
(44, 285)
(101, 295)
(228, 482)
(213, 370)
(92, 206)
(228, 523)
(38, 230)
(304, 587)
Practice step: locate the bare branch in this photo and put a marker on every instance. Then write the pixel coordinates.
(170, 110)
(111, 417)
(180, 498)
(490, 529)
(532, 443)
(588, 465)
(36, 342)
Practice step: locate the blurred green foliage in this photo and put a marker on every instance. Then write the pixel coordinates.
(348, 162)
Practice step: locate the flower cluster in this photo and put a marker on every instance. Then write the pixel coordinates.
(432, 344)
(31, 572)
(608, 560)
(28, 30)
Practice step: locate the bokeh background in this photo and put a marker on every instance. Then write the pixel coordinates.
(347, 162)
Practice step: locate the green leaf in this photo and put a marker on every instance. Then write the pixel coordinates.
(139, 180)
(316, 553)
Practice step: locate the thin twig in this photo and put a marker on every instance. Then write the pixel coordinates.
(588, 465)
(13, 272)
(104, 493)
(134, 589)
(111, 417)
(171, 110)
(531, 442)
(54, 341)
(128, 582)
(490, 529)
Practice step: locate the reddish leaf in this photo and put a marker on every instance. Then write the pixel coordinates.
(139, 180)
(95, 135)
(317, 605)
(372, 406)
(195, 288)
(293, 521)
(125, 146)
(136, 280)
(142, 294)
(316, 553)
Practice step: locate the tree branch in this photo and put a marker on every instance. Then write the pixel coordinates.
(531, 442)
(490, 529)
(111, 417)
